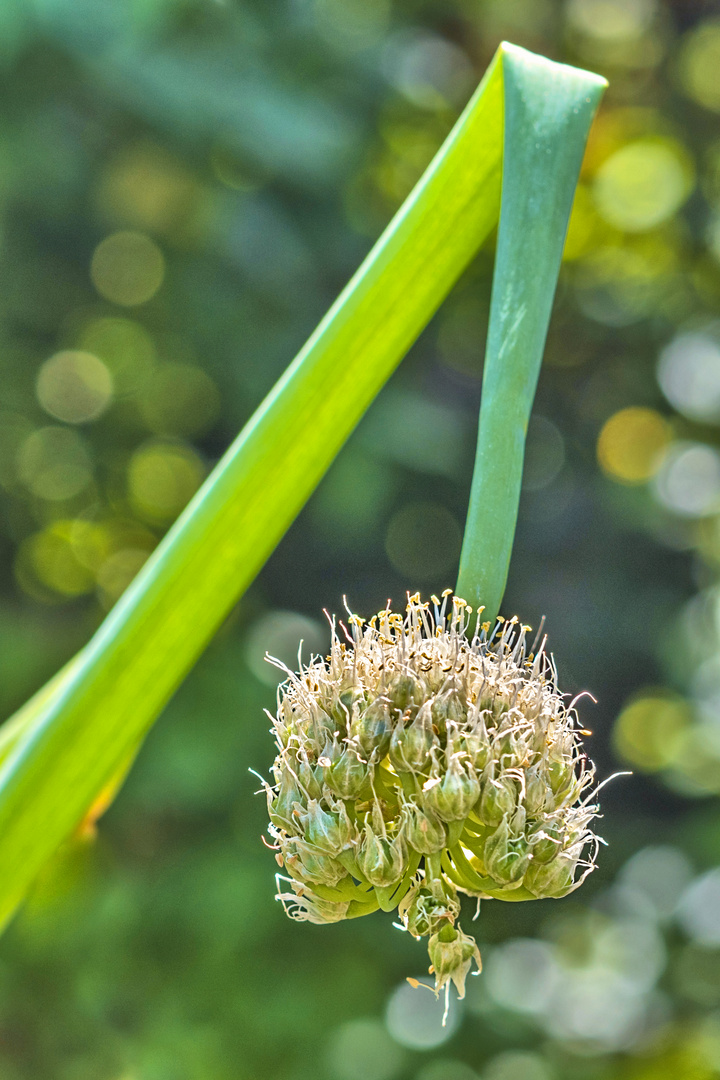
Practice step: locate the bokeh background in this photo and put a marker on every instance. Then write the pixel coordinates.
(185, 186)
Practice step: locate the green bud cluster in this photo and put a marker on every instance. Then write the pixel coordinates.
(418, 761)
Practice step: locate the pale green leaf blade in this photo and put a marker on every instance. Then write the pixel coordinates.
(548, 111)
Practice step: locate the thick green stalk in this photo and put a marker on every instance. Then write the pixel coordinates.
(98, 714)
(548, 111)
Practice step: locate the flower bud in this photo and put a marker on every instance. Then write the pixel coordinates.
(554, 879)
(446, 710)
(545, 843)
(429, 907)
(322, 725)
(506, 855)
(345, 706)
(303, 905)
(560, 775)
(308, 779)
(306, 863)
(538, 794)
(410, 746)
(452, 796)
(405, 691)
(330, 833)
(424, 832)
(538, 737)
(451, 954)
(347, 775)
(381, 860)
(350, 698)
(494, 705)
(517, 821)
(330, 754)
(476, 745)
(372, 729)
(498, 799)
(280, 806)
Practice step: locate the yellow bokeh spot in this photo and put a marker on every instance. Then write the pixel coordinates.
(630, 277)
(614, 128)
(631, 444)
(124, 346)
(650, 731)
(61, 557)
(74, 386)
(644, 183)
(699, 64)
(696, 769)
(162, 478)
(179, 399)
(147, 187)
(72, 557)
(54, 463)
(611, 20)
(127, 268)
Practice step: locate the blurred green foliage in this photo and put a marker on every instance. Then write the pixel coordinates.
(185, 185)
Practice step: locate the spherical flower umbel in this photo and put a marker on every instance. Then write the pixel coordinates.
(428, 755)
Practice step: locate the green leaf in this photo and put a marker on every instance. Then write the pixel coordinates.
(67, 749)
(548, 111)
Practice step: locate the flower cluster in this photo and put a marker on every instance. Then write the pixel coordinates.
(420, 760)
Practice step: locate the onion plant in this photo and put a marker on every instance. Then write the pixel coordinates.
(513, 156)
